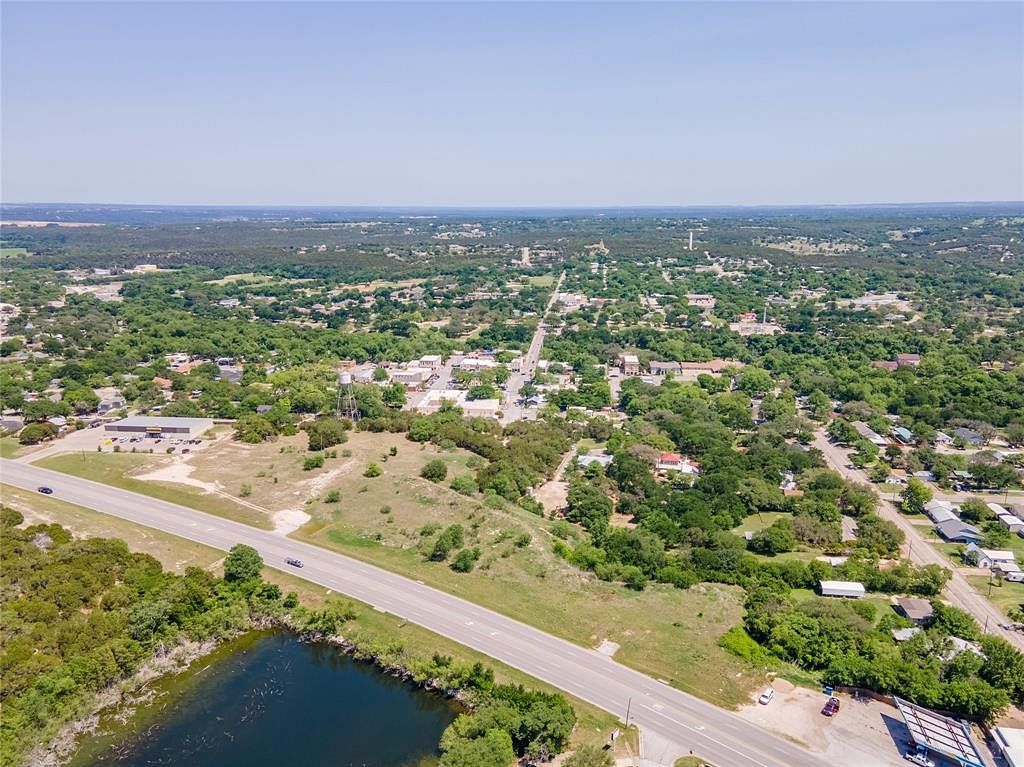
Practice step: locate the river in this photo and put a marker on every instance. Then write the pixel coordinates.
(268, 699)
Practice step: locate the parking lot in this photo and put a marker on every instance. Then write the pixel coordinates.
(863, 733)
(100, 440)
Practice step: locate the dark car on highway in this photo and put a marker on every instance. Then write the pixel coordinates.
(294, 562)
(46, 490)
(831, 708)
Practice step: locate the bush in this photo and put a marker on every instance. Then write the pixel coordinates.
(333, 496)
(466, 560)
(245, 491)
(465, 485)
(313, 462)
(373, 470)
(435, 470)
(450, 539)
(523, 541)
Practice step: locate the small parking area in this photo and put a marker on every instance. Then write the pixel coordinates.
(863, 733)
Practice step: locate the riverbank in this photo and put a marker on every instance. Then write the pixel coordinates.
(124, 697)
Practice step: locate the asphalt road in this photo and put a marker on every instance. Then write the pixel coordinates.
(958, 591)
(672, 722)
(528, 364)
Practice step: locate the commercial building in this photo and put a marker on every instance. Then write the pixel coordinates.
(161, 426)
(630, 365)
(411, 377)
(847, 589)
(940, 734)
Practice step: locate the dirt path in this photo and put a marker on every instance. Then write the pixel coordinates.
(553, 495)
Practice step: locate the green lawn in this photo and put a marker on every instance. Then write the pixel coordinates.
(1003, 594)
(9, 447)
(542, 280)
(116, 469)
(757, 522)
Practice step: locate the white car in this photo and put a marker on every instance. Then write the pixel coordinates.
(766, 697)
(916, 757)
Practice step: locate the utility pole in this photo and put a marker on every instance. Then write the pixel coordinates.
(629, 703)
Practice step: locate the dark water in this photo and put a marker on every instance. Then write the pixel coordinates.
(269, 699)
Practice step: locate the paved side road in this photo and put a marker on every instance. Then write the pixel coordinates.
(672, 721)
(958, 591)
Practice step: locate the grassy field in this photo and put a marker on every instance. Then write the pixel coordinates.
(274, 471)
(541, 280)
(117, 469)
(9, 252)
(665, 632)
(1004, 595)
(9, 447)
(175, 554)
(668, 633)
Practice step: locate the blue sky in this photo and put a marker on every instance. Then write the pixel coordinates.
(511, 103)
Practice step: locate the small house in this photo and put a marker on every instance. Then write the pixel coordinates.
(955, 531)
(993, 559)
(908, 360)
(971, 437)
(676, 462)
(903, 435)
(846, 589)
(920, 611)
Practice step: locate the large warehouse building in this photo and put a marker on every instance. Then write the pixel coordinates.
(161, 426)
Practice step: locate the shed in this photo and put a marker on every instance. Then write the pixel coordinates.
(849, 589)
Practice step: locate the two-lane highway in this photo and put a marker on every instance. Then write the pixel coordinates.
(674, 720)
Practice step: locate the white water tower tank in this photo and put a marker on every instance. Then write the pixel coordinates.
(345, 379)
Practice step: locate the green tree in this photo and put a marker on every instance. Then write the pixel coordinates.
(394, 395)
(915, 495)
(326, 432)
(243, 563)
(492, 749)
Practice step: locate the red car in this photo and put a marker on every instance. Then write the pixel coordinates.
(831, 708)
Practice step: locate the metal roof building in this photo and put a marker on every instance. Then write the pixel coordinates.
(851, 589)
(941, 734)
(161, 426)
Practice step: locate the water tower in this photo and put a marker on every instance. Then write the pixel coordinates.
(346, 407)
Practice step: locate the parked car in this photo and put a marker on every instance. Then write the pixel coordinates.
(45, 490)
(294, 562)
(919, 758)
(832, 707)
(766, 696)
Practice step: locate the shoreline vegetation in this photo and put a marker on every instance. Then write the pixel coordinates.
(123, 623)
